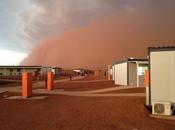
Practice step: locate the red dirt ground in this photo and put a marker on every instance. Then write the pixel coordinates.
(84, 86)
(92, 77)
(11, 84)
(66, 112)
(74, 113)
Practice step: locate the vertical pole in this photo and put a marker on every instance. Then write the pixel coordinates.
(50, 82)
(146, 78)
(26, 85)
(137, 74)
(109, 72)
(146, 84)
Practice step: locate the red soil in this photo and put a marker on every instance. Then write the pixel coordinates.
(92, 77)
(10, 84)
(84, 86)
(66, 112)
(88, 113)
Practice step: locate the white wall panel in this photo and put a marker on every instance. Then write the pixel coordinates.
(121, 74)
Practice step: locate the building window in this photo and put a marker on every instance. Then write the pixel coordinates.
(11, 70)
(1, 74)
(141, 70)
(18, 70)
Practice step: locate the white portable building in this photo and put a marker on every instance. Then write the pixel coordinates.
(130, 72)
(162, 75)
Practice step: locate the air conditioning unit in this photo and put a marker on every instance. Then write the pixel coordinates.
(161, 108)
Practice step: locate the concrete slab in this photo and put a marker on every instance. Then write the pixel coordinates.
(163, 117)
(45, 91)
(34, 97)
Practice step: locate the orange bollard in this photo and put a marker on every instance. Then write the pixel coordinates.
(146, 84)
(146, 78)
(50, 82)
(26, 85)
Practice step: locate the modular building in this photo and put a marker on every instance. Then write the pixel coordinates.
(161, 77)
(129, 72)
(101, 73)
(57, 71)
(83, 72)
(16, 71)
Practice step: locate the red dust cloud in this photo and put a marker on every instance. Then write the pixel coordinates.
(100, 43)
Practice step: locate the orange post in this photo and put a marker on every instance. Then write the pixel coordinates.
(26, 85)
(50, 82)
(146, 78)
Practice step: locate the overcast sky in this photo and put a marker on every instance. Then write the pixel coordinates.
(25, 22)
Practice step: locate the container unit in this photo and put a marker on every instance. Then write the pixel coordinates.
(130, 72)
(161, 79)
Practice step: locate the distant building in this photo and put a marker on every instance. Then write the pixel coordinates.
(129, 72)
(82, 71)
(18, 70)
(57, 71)
(101, 73)
(37, 71)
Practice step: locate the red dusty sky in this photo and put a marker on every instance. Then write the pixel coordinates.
(104, 41)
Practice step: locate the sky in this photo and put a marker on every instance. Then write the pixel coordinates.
(14, 56)
(25, 24)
